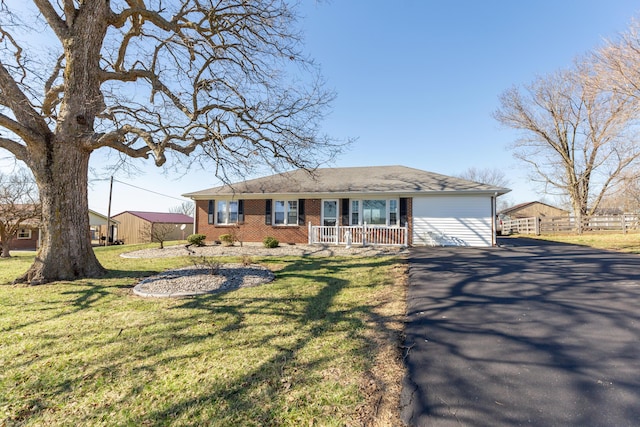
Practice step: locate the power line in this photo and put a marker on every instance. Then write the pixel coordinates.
(149, 191)
(33, 181)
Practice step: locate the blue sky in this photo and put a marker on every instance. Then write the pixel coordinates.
(417, 81)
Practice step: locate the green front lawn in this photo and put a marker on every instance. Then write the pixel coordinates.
(629, 242)
(318, 346)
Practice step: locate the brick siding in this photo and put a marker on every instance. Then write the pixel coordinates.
(31, 244)
(254, 229)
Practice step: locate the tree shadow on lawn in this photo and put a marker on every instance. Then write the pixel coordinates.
(269, 389)
(304, 310)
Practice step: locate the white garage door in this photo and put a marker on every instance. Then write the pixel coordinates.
(452, 221)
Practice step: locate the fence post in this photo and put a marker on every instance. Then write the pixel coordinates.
(623, 224)
(536, 226)
(337, 232)
(310, 237)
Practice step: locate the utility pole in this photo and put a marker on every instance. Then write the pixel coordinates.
(109, 214)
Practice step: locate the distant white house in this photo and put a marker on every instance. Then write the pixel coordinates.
(98, 227)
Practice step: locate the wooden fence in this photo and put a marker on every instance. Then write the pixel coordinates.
(597, 223)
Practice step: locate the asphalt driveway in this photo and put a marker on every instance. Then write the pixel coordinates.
(529, 333)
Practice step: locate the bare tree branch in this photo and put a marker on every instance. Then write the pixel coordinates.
(56, 23)
(19, 104)
(577, 135)
(18, 150)
(221, 84)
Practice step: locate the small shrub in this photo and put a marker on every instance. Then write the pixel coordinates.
(247, 260)
(226, 239)
(209, 264)
(270, 242)
(196, 239)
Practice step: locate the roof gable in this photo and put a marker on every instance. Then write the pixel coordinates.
(521, 206)
(371, 179)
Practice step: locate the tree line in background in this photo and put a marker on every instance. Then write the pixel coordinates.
(580, 127)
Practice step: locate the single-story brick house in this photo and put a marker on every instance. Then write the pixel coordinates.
(141, 227)
(27, 237)
(394, 205)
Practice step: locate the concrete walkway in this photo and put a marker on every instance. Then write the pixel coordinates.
(530, 333)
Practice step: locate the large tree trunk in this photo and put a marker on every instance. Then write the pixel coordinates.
(5, 240)
(4, 247)
(60, 164)
(66, 252)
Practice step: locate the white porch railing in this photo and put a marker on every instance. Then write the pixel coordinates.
(359, 235)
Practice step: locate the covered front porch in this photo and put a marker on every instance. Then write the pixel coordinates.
(363, 235)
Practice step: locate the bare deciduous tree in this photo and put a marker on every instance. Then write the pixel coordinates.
(577, 136)
(618, 62)
(490, 176)
(185, 208)
(626, 195)
(18, 205)
(223, 82)
(157, 233)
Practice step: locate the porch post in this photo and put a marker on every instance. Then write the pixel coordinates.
(337, 232)
(364, 234)
(406, 234)
(309, 233)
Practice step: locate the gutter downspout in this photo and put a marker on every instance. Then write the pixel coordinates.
(494, 209)
(195, 216)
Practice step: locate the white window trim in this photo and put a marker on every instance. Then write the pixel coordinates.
(387, 211)
(228, 213)
(27, 237)
(286, 212)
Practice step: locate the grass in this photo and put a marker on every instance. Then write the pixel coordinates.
(318, 346)
(629, 242)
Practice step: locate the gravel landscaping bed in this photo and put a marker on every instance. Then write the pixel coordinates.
(201, 279)
(260, 250)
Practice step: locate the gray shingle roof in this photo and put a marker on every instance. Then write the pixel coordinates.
(371, 179)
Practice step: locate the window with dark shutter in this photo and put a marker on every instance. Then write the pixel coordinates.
(240, 211)
(267, 212)
(344, 214)
(211, 211)
(404, 208)
(301, 218)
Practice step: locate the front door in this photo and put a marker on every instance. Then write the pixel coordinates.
(329, 213)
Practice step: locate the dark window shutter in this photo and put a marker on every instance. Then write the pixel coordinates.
(404, 208)
(345, 211)
(211, 211)
(267, 212)
(240, 210)
(301, 218)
